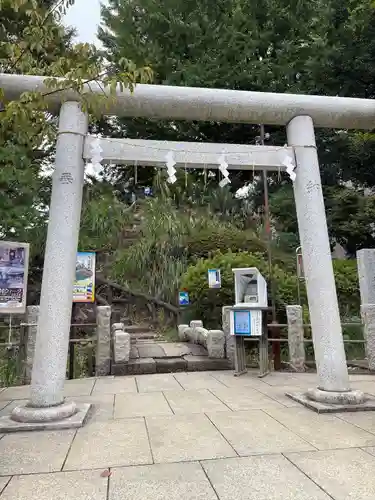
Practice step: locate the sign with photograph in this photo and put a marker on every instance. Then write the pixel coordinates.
(14, 265)
(84, 285)
(214, 278)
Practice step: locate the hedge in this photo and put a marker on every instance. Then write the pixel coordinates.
(206, 303)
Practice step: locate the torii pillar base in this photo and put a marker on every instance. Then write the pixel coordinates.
(334, 402)
(27, 418)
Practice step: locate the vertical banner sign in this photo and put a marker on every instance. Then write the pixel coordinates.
(14, 266)
(300, 271)
(214, 278)
(84, 284)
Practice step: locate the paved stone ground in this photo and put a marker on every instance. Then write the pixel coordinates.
(193, 436)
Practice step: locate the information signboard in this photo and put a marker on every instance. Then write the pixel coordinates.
(14, 264)
(246, 322)
(84, 284)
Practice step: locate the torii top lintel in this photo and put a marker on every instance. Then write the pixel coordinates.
(221, 105)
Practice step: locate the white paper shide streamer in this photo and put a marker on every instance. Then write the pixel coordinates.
(96, 156)
(288, 163)
(170, 168)
(223, 167)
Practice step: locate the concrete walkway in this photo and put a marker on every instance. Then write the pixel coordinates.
(193, 436)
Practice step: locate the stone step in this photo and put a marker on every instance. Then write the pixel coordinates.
(169, 365)
(144, 329)
(143, 337)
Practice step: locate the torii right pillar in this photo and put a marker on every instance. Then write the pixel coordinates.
(333, 391)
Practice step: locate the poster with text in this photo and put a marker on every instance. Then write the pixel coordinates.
(84, 285)
(14, 264)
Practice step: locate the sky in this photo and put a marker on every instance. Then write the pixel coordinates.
(84, 15)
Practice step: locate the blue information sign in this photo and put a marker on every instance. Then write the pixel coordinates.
(242, 322)
(183, 298)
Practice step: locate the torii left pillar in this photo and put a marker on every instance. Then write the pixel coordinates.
(47, 408)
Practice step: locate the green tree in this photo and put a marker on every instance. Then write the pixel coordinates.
(313, 47)
(33, 41)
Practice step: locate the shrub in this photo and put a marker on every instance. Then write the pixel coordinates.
(206, 303)
(346, 276)
(222, 239)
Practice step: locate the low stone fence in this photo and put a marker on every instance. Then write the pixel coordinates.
(212, 340)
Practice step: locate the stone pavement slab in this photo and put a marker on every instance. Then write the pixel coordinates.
(102, 405)
(3, 404)
(244, 399)
(254, 432)
(343, 474)
(108, 444)
(3, 482)
(183, 481)
(16, 392)
(7, 409)
(81, 485)
(182, 438)
(364, 385)
(370, 449)
(322, 431)
(270, 477)
(197, 380)
(141, 405)
(77, 387)
(277, 393)
(158, 382)
(227, 379)
(365, 420)
(114, 385)
(32, 452)
(303, 380)
(198, 401)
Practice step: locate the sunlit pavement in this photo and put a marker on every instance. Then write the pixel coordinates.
(193, 436)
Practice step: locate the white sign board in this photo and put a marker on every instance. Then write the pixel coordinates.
(214, 278)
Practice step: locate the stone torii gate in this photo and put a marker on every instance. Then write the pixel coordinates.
(299, 113)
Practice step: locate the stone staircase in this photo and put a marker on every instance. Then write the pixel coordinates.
(149, 353)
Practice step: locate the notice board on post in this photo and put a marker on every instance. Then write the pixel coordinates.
(246, 323)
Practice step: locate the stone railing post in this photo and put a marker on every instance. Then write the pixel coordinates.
(297, 356)
(121, 343)
(366, 278)
(103, 346)
(32, 314)
(368, 318)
